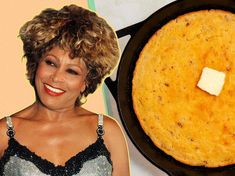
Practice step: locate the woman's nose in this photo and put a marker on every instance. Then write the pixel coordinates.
(58, 76)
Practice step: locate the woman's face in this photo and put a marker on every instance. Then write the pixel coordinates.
(59, 79)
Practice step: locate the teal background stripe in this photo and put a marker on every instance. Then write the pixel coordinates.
(107, 107)
(106, 100)
(91, 4)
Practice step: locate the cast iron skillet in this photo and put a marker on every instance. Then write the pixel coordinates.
(121, 88)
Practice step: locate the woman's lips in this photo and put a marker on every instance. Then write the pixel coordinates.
(53, 91)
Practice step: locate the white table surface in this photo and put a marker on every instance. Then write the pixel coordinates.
(120, 14)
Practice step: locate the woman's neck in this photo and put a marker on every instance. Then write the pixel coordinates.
(41, 112)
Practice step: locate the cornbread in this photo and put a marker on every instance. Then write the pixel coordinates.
(185, 122)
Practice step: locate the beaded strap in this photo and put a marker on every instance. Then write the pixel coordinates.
(100, 129)
(10, 127)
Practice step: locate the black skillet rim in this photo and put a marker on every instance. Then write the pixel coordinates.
(164, 15)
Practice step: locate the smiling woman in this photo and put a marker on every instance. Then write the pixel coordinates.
(69, 52)
(58, 75)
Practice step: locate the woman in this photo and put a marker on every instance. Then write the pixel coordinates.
(68, 52)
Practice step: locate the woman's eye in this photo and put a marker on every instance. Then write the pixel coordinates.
(48, 62)
(72, 72)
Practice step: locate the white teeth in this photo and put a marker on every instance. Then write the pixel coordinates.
(54, 89)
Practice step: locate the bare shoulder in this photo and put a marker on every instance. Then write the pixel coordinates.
(116, 143)
(110, 122)
(113, 133)
(3, 126)
(3, 129)
(112, 127)
(3, 136)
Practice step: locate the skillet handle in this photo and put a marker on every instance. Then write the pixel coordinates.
(130, 30)
(112, 86)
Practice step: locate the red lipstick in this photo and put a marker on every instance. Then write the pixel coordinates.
(51, 90)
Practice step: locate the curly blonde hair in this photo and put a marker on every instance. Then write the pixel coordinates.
(78, 30)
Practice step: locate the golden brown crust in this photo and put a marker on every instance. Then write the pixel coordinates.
(187, 123)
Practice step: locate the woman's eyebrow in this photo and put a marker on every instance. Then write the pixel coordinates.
(77, 66)
(49, 54)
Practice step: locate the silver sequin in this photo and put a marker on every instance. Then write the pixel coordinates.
(20, 167)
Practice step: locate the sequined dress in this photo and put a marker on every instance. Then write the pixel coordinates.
(18, 160)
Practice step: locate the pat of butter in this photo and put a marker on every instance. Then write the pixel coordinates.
(211, 81)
